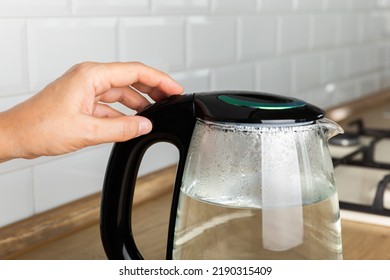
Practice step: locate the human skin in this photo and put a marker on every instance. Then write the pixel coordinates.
(73, 112)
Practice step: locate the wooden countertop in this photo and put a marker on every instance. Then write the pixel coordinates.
(360, 241)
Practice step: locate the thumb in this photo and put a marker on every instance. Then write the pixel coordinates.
(120, 129)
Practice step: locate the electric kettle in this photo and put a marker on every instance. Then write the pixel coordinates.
(254, 179)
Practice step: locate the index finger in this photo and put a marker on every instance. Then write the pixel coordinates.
(120, 74)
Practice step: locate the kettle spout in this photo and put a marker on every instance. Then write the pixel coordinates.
(329, 128)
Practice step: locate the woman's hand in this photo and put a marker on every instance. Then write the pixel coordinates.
(72, 112)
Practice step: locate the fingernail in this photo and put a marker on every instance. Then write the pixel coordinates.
(144, 126)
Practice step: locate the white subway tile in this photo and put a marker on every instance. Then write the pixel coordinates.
(180, 6)
(233, 6)
(346, 91)
(16, 196)
(276, 5)
(384, 55)
(257, 36)
(320, 96)
(306, 71)
(210, 41)
(373, 58)
(386, 25)
(274, 76)
(385, 79)
(364, 59)
(370, 83)
(333, 94)
(342, 91)
(157, 41)
(293, 33)
(57, 44)
(306, 5)
(348, 28)
(112, 7)
(193, 80)
(372, 27)
(21, 8)
(357, 60)
(233, 77)
(383, 4)
(336, 4)
(324, 30)
(69, 177)
(18, 164)
(158, 156)
(334, 65)
(363, 4)
(13, 57)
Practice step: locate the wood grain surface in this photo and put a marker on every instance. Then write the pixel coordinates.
(360, 241)
(55, 224)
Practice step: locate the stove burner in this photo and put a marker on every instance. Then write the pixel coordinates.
(366, 160)
(345, 140)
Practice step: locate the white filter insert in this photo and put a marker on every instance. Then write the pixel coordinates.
(283, 223)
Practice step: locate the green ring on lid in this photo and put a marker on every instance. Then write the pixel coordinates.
(296, 103)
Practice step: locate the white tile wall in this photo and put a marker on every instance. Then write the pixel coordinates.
(256, 36)
(180, 6)
(16, 196)
(234, 77)
(20, 8)
(307, 5)
(293, 33)
(276, 5)
(68, 178)
(323, 30)
(274, 75)
(56, 44)
(112, 7)
(336, 5)
(13, 54)
(348, 29)
(194, 80)
(324, 51)
(211, 40)
(306, 71)
(221, 6)
(163, 47)
(334, 65)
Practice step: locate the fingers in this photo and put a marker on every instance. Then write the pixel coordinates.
(106, 111)
(155, 93)
(125, 95)
(121, 74)
(119, 129)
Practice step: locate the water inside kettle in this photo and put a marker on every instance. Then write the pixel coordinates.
(257, 192)
(207, 230)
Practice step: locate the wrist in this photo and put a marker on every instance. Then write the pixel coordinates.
(8, 139)
(5, 149)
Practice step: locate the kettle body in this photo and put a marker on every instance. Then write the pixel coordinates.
(254, 179)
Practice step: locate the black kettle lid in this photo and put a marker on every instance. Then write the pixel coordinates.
(254, 107)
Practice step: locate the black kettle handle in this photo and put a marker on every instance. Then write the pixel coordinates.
(173, 121)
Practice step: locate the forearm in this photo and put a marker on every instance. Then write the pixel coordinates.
(7, 140)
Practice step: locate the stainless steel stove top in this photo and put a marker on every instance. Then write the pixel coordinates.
(362, 174)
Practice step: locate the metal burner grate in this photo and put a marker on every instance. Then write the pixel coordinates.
(366, 159)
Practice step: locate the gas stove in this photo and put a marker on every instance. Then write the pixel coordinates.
(361, 158)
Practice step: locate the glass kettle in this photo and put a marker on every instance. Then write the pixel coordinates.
(254, 179)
